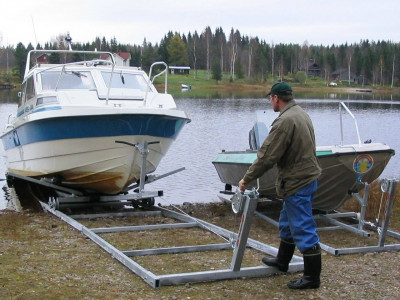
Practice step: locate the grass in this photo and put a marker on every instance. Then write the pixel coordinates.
(225, 88)
(43, 257)
(243, 88)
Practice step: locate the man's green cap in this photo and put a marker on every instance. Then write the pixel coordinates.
(281, 89)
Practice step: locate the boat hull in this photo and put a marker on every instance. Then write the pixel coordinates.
(342, 172)
(82, 152)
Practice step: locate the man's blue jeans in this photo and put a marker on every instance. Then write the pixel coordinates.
(296, 221)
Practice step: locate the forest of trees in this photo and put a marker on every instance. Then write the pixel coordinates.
(240, 56)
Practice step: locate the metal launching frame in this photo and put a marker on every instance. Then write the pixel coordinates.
(383, 230)
(70, 198)
(241, 242)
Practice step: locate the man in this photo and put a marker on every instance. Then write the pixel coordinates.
(291, 145)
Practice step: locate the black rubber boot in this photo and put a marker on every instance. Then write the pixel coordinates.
(312, 270)
(285, 254)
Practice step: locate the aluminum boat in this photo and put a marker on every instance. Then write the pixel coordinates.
(344, 167)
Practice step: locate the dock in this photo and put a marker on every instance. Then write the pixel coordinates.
(7, 86)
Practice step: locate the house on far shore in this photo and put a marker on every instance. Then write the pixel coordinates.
(342, 74)
(120, 58)
(179, 70)
(43, 59)
(314, 70)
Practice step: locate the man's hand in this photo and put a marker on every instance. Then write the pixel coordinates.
(242, 185)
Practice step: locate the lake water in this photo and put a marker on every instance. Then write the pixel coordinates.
(219, 124)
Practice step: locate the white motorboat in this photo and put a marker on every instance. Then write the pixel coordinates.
(77, 122)
(186, 87)
(344, 167)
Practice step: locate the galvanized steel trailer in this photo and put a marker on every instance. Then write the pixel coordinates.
(239, 242)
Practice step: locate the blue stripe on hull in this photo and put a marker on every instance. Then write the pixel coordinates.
(92, 126)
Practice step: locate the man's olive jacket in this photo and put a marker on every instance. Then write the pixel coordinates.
(291, 145)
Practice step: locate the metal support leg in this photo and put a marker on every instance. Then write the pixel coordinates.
(250, 206)
(389, 206)
(144, 151)
(364, 203)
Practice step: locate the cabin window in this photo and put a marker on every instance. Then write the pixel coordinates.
(21, 99)
(68, 80)
(28, 91)
(125, 81)
(46, 100)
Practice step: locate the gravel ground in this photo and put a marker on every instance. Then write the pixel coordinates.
(43, 258)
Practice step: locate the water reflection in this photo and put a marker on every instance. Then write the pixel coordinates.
(355, 104)
(346, 96)
(260, 93)
(9, 96)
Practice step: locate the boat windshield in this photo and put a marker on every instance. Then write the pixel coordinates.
(122, 80)
(68, 80)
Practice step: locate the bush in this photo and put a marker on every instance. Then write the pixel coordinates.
(300, 77)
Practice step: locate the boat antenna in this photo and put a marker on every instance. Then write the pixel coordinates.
(34, 31)
(68, 39)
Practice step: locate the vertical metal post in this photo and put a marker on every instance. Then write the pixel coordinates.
(389, 206)
(364, 204)
(341, 124)
(250, 206)
(110, 82)
(143, 151)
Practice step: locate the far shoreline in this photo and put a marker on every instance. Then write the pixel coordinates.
(228, 90)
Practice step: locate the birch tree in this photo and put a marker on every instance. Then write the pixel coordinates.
(272, 60)
(305, 55)
(233, 40)
(194, 56)
(208, 36)
(394, 58)
(250, 54)
(350, 51)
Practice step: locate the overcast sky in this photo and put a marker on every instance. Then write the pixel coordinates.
(131, 21)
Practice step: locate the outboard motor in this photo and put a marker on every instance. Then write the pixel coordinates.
(257, 135)
(252, 139)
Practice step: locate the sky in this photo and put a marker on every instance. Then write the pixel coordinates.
(131, 21)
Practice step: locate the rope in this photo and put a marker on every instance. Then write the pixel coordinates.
(379, 211)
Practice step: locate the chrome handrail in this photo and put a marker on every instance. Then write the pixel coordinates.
(59, 77)
(109, 84)
(28, 60)
(112, 62)
(341, 104)
(155, 76)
